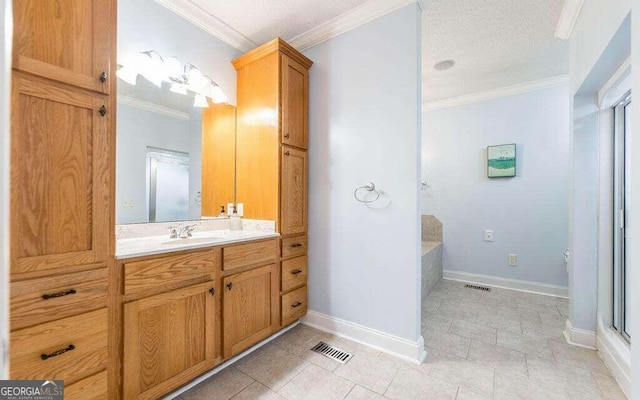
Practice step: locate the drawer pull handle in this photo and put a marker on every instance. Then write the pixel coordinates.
(59, 294)
(298, 304)
(58, 352)
(296, 271)
(296, 245)
(229, 285)
(212, 291)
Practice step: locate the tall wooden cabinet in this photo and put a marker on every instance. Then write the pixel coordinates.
(62, 157)
(271, 155)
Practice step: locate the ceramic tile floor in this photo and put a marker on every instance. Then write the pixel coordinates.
(482, 345)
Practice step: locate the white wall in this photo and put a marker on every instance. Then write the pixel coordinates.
(364, 126)
(528, 213)
(5, 73)
(600, 44)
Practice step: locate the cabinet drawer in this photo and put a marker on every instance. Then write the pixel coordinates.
(293, 273)
(171, 272)
(242, 255)
(294, 246)
(91, 388)
(69, 349)
(294, 305)
(41, 300)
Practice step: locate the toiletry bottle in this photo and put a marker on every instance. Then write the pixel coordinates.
(235, 222)
(222, 213)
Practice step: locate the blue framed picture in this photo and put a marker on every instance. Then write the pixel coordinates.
(501, 161)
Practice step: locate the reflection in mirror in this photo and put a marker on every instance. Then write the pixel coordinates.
(175, 132)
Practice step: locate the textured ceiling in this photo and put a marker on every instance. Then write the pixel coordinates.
(495, 43)
(263, 20)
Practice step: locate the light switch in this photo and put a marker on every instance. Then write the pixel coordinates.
(240, 209)
(513, 260)
(488, 235)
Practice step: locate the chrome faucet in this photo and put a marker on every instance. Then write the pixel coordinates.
(185, 231)
(173, 232)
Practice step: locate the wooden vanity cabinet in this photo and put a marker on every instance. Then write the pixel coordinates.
(250, 308)
(169, 339)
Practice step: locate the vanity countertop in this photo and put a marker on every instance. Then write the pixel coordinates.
(146, 246)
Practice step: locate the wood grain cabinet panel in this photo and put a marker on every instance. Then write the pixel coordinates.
(249, 308)
(293, 273)
(294, 246)
(295, 83)
(91, 388)
(247, 254)
(69, 349)
(170, 272)
(169, 340)
(60, 178)
(64, 40)
(41, 300)
(294, 305)
(294, 191)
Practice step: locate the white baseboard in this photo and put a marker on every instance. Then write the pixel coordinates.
(504, 283)
(390, 344)
(580, 337)
(616, 354)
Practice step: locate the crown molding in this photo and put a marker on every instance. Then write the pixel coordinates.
(152, 107)
(347, 21)
(532, 86)
(202, 19)
(568, 18)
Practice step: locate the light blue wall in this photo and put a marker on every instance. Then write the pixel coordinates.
(364, 126)
(528, 213)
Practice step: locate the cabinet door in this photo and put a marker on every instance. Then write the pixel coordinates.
(61, 178)
(169, 340)
(250, 308)
(293, 208)
(65, 40)
(295, 95)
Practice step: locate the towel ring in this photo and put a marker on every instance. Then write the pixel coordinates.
(370, 187)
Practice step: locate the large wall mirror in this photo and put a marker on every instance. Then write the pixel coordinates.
(175, 122)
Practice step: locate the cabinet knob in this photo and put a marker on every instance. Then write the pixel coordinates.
(57, 352)
(103, 77)
(48, 296)
(296, 271)
(103, 110)
(229, 285)
(286, 136)
(212, 291)
(298, 304)
(286, 153)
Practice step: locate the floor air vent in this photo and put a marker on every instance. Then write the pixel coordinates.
(478, 287)
(331, 352)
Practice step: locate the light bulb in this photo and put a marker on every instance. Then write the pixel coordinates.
(172, 67)
(127, 74)
(200, 101)
(153, 68)
(195, 77)
(217, 95)
(177, 88)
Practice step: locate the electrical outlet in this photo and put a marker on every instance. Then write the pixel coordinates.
(240, 209)
(229, 208)
(488, 235)
(513, 260)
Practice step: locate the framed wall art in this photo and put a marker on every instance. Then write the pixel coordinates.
(501, 161)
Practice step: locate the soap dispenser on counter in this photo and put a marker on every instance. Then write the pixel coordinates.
(235, 221)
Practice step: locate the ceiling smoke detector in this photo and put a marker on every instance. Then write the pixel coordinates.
(444, 65)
